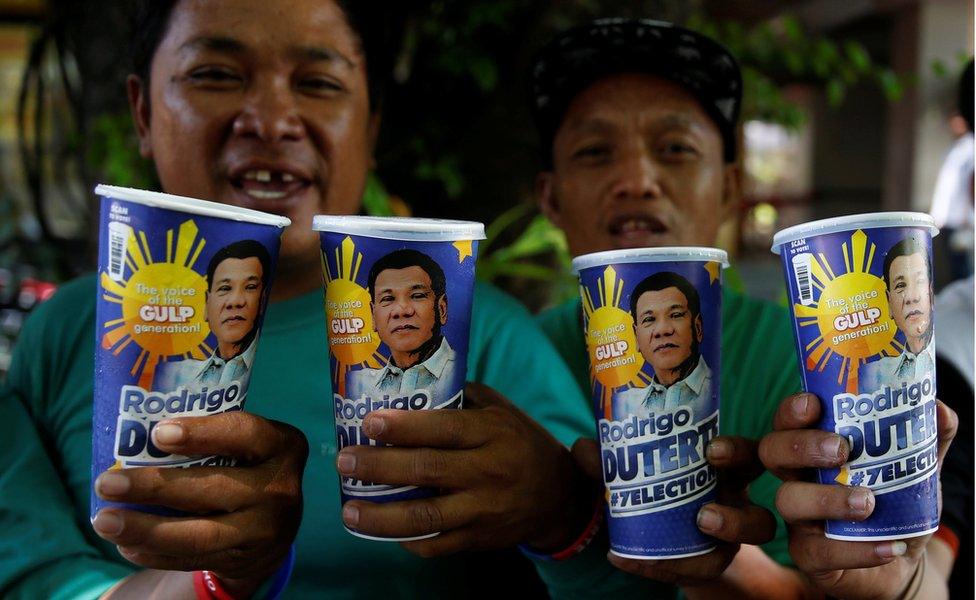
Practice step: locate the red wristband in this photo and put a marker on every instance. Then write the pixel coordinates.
(579, 544)
(208, 587)
(950, 538)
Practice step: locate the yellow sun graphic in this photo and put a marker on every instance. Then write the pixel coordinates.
(163, 304)
(348, 316)
(857, 295)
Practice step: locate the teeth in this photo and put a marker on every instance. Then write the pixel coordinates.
(263, 176)
(287, 177)
(266, 195)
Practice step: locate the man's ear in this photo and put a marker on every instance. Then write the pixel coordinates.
(731, 190)
(545, 197)
(139, 107)
(699, 329)
(442, 306)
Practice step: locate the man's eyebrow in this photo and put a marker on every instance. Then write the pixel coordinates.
(320, 53)
(678, 306)
(214, 43)
(420, 286)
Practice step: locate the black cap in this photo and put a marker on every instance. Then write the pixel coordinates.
(576, 58)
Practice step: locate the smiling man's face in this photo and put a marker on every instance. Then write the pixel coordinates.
(263, 105)
(636, 162)
(404, 312)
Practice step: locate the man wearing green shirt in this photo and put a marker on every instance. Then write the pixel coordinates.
(274, 106)
(638, 125)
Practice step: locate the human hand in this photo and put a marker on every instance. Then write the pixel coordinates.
(240, 520)
(504, 479)
(733, 519)
(875, 570)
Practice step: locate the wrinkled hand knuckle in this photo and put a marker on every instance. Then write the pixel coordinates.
(428, 466)
(426, 517)
(204, 541)
(454, 431)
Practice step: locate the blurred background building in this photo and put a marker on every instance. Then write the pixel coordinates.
(846, 111)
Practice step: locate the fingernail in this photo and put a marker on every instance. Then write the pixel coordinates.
(719, 449)
(891, 549)
(859, 500)
(709, 519)
(350, 515)
(831, 447)
(373, 426)
(800, 404)
(112, 484)
(346, 463)
(108, 523)
(168, 433)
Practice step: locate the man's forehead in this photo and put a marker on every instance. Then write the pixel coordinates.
(908, 262)
(303, 28)
(658, 299)
(615, 100)
(246, 267)
(406, 277)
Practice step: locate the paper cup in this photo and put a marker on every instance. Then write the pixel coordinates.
(653, 324)
(183, 284)
(398, 298)
(860, 291)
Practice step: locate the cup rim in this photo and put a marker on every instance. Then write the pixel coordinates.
(190, 205)
(401, 228)
(661, 254)
(852, 223)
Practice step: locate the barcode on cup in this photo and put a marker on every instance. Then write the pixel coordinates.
(118, 241)
(801, 272)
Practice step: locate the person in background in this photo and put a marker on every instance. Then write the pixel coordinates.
(952, 199)
(954, 376)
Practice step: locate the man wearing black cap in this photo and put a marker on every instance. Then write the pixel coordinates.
(638, 126)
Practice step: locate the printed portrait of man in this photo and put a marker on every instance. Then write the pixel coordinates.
(237, 290)
(908, 283)
(408, 295)
(669, 328)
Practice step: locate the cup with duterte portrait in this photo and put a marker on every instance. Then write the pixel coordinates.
(860, 292)
(652, 321)
(182, 288)
(398, 295)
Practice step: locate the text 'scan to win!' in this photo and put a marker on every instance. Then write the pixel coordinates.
(398, 296)
(652, 320)
(860, 290)
(183, 284)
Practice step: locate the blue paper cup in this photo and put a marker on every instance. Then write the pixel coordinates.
(398, 296)
(183, 284)
(860, 291)
(653, 324)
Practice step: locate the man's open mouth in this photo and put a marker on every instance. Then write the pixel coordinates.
(635, 224)
(914, 313)
(233, 318)
(400, 328)
(269, 184)
(666, 347)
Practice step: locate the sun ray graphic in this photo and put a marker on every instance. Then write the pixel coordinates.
(353, 340)
(610, 333)
(849, 290)
(164, 285)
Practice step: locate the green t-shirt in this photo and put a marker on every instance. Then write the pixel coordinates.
(47, 546)
(758, 370)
